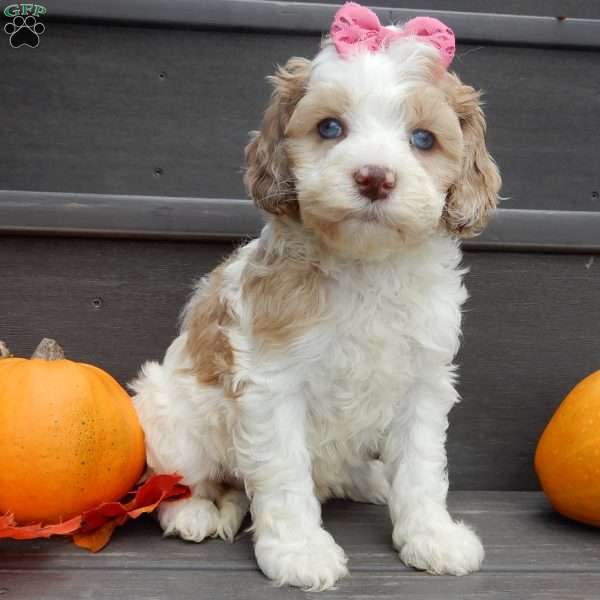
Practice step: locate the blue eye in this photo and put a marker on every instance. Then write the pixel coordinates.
(330, 129)
(422, 139)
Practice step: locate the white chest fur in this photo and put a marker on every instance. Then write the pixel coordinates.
(384, 323)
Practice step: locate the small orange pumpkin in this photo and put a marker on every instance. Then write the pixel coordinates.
(69, 437)
(567, 459)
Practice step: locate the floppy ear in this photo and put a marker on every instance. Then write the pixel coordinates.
(475, 192)
(268, 177)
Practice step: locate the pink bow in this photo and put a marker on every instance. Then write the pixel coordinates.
(356, 27)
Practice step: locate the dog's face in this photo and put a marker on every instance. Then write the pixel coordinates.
(373, 151)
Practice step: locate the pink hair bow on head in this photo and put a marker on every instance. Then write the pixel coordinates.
(356, 28)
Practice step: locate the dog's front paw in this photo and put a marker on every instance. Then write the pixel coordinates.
(452, 549)
(313, 562)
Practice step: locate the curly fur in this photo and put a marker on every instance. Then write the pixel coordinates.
(317, 361)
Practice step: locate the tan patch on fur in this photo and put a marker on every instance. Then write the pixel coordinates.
(328, 229)
(475, 192)
(284, 290)
(428, 108)
(306, 146)
(324, 100)
(268, 177)
(207, 316)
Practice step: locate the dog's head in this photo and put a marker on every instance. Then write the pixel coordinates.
(373, 150)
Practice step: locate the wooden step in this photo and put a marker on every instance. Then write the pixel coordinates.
(531, 553)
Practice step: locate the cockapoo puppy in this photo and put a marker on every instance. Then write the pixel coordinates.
(317, 361)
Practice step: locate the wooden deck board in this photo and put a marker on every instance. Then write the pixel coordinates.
(198, 585)
(531, 553)
(191, 124)
(535, 311)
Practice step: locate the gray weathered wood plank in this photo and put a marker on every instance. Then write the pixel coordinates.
(316, 18)
(227, 219)
(520, 531)
(130, 110)
(549, 8)
(531, 330)
(165, 584)
(531, 554)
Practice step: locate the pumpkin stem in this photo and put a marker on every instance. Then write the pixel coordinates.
(48, 349)
(4, 351)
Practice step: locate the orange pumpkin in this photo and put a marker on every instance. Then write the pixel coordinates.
(567, 459)
(69, 437)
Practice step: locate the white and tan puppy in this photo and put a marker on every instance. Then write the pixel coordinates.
(317, 361)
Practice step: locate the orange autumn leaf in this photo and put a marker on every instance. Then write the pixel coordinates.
(94, 541)
(157, 489)
(10, 529)
(99, 524)
(96, 517)
(93, 529)
(146, 498)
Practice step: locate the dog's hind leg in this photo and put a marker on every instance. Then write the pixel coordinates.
(184, 425)
(212, 510)
(194, 518)
(233, 507)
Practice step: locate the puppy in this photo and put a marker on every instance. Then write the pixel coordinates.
(317, 361)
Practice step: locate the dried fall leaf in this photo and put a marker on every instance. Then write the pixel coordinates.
(99, 523)
(95, 540)
(156, 490)
(10, 529)
(93, 529)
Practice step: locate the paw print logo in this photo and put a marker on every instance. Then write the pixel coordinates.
(24, 31)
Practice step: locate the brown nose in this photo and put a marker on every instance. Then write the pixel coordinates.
(375, 183)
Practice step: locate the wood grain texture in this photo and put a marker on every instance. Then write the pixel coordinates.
(551, 543)
(224, 219)
(307, 18)
(549, 8)
(165, 584)
(531, 553)
(154, 111)
(159, 218)
(531, 331)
